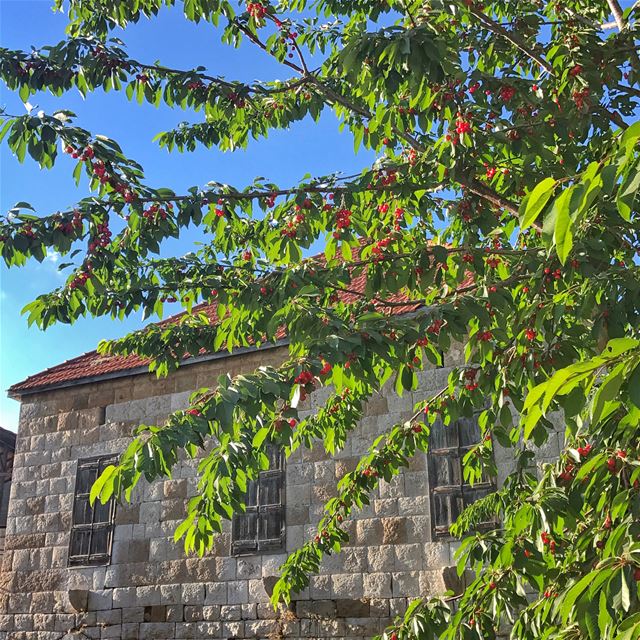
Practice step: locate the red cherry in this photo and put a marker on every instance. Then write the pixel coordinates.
(636, 574)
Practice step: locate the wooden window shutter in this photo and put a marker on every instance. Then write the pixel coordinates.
(92, 528)
(262, 527)
(449, 492)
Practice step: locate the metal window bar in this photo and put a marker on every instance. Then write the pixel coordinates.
(92, 528)
(262, 526)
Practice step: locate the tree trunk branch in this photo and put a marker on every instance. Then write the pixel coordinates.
(617, 12)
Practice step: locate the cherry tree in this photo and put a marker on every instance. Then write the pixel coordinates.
(501, 211)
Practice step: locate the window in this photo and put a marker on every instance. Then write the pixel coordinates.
(7, 448)
(261, 527)
(92, 528)
(449, 493)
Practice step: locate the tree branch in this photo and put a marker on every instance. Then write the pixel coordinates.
(617, 12)
(515, 40)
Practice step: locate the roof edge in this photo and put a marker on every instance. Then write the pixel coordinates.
(18, 394)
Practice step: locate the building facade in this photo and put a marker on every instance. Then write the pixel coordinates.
(115, 572)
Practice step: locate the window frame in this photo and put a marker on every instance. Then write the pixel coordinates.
(104, 557)
(7, 455)
(255, 545)
(461, 490)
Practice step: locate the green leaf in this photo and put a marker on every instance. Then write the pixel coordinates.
(103, 482)
(634, 386)
(535, 202)
(628, 193)
(562, 234)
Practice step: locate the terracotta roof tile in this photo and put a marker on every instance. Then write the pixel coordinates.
(91, 365)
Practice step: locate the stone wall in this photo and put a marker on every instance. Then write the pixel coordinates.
(150, 589)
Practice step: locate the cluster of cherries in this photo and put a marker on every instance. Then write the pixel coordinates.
(82, 277)
(86, 154)
(73, 225)
(156, 212)
(343, 221)
(256, 10)
(470, 379)
(102, 237)
(304, 378)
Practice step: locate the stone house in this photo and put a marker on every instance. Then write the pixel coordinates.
(115, 572)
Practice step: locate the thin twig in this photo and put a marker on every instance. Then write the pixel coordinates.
(515, 40)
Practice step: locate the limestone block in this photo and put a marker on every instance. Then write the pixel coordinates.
(123, 532)
(394, 531)
(237, 591)
(150, 512)
(415, 505)
(379, 607)
(316, 609)
(249, 568)
(299, 494)
(216, 593)
(397, 606)
(249, 611)
(271, 563)
(171, 594)
(380, 558)
(297, 514)
(157, 630)
(435, 555)
(130, 631)
(109, 617)
(299, 474)
(193, 593)
(148, 595)
(385, 507)
(320, 587)
(257, 592)
(369, 531)
(111, 631)
(260, 628)
(432, 582)
(418, 528)
(229, 613)
(179, 400)
(124, 597)
(362, 626)
(132, 614)
(377, 585)
(347, 585)
(393, 489)
(226, 568)
(233, 629)
(406, 584)
(193, 613)
(100, 600)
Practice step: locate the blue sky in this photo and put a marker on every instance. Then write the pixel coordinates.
(284, 157)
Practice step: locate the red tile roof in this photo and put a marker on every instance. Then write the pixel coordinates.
(92, 365)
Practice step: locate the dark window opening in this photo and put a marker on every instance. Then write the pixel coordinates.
(7, 451)
(450, 494)
(261, 527)
(92, 527)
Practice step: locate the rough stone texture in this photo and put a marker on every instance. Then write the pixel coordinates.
(150, 589)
